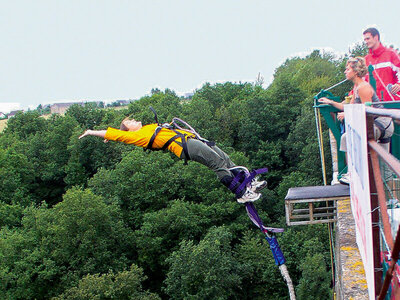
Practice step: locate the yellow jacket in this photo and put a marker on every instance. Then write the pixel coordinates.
(142, 137)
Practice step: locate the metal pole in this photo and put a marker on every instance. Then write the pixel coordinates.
(335, 85)
(389, 273)
(321, 153)
(374, 214)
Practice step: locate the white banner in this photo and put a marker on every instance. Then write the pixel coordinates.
(357, 156)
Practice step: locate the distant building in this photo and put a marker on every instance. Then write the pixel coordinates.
(122, 102)
(117, 103)
(3, 116)
(188, 95)
(61, 108)
(13, 113)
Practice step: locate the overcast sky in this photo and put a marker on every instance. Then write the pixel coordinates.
(59, 51)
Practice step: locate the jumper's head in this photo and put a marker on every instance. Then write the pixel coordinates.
(130, 125)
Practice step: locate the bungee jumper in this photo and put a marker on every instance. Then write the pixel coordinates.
(186, 144)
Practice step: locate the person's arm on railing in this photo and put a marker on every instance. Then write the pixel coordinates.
(335, 104)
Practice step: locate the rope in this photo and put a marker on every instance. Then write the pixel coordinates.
(331, 246)
(322, 149)
(188, 127)
(286, 276)
(319, 134)
(322, 154)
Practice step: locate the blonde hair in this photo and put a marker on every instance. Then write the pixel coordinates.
(358, 65)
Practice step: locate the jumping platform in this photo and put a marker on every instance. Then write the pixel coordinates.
(314, 204)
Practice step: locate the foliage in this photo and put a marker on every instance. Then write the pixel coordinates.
(260, 276)
(315, 282)
(56, 247)
(124, 285)
(359, 49)
(88, 116)
(204, 271)
(17, 175)
(25, 124)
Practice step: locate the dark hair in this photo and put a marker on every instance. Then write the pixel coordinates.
(373, 31)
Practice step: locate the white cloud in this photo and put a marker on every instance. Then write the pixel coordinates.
(9, 106)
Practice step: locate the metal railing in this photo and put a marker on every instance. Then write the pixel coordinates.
(384, 176)
(384, 169)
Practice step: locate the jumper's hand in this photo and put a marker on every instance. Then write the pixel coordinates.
(340, 116)
(86, 133)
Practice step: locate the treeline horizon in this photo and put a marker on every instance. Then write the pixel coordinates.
(84, 219)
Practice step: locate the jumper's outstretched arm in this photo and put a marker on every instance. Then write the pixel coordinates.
(99, 133)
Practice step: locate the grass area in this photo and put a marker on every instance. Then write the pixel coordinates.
(3, 124)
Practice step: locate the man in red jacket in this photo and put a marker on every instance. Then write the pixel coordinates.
(386, 65)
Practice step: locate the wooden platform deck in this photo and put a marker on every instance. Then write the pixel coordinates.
(314, 204)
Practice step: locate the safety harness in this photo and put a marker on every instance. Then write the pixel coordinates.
(243, 178)
(174, 126)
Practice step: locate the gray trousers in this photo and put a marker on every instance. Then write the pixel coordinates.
(212, 157)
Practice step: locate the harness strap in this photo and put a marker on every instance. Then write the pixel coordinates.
(153, 137)
(155, 114)
(172, 126)
(184, 144)
(234, 187)
(185, 150)
(244, 178)
(172, 139)
(377, 75)
(169, 142)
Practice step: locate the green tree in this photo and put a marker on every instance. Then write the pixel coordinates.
(260, 277)
(359, 49)
(163, 230)
(88, 156)
(55, 247)
(48, 152)
(25, 124)
(298, 243)
(124, 285)
(204, 271)
(10, 214)
(315, 281)
(88, 115)
(17, 176)
(166, 104)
